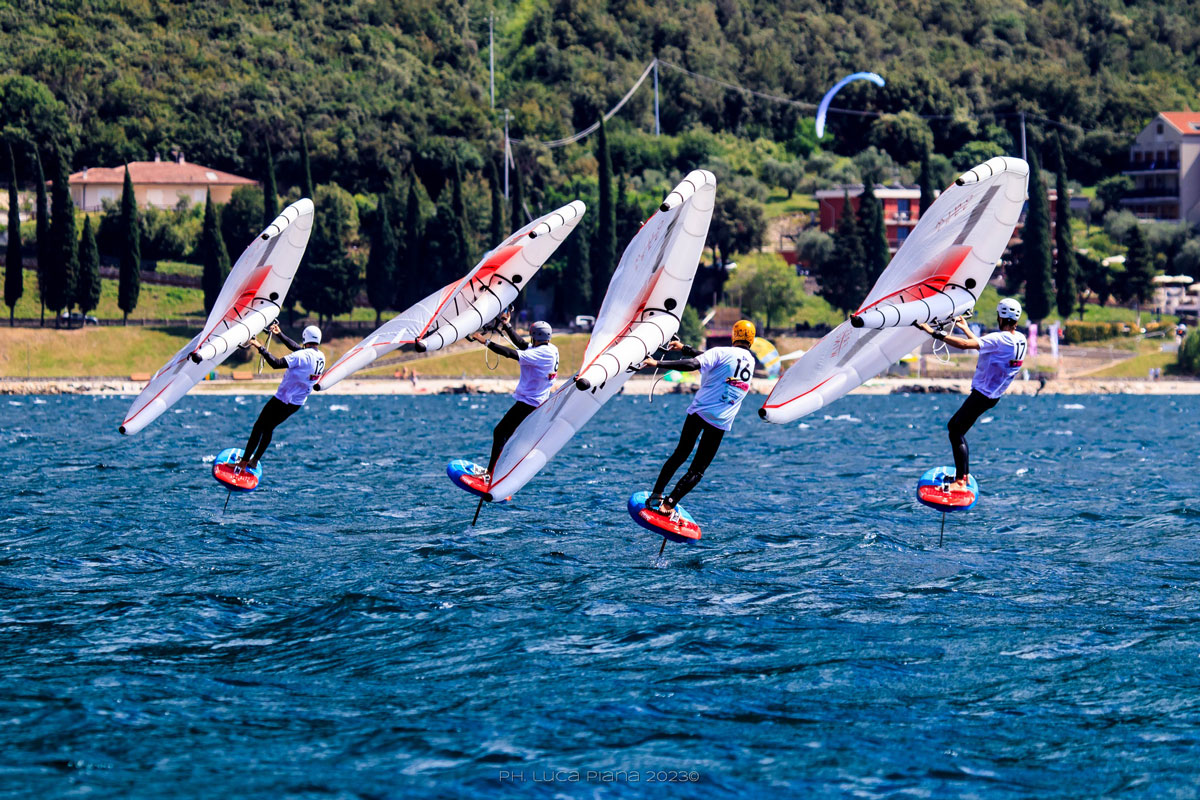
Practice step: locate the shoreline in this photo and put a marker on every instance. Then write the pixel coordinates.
(637, 386)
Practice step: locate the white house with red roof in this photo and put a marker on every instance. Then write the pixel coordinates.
(155, 183)
(1164, 163)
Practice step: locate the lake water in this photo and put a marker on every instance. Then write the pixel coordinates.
(345, 632)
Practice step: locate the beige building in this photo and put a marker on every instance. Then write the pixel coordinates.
(161, 184)
(1164, 163)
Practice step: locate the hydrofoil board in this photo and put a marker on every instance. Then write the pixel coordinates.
(469, 476)
(243, 480)
(932, 491)
(678, 528)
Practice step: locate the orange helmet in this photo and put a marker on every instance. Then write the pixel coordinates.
(743, 331)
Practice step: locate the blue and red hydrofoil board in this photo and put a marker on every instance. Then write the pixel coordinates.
(468, 476)
(931, 491)
(242, 480)
(680, 528)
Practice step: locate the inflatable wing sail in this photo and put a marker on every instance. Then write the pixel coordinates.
(823, 108)
(639, 315)
(459, 309)
(938, 273)
(249, 301)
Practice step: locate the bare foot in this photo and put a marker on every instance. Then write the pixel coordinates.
(959, 486)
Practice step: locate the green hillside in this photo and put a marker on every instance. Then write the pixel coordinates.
(375, 81)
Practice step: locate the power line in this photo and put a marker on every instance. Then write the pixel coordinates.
(804, 104)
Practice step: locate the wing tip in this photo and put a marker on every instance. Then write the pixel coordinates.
(121, 430)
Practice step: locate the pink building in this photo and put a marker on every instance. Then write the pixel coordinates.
(901, 208)
(161, 184)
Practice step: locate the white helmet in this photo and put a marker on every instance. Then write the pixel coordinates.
(311, 335)
(1008, 309)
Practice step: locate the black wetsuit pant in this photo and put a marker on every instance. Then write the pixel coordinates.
(972, 409)
(273, 413)
(710, 439)
(506, 427)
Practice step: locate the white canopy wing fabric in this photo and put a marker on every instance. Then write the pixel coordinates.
(249, 301)
(939, 272)
(459, 309)
(639, 315)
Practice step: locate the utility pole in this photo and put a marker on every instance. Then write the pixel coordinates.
(657, 127)
(1023, 156)
(492, 59)
(507, 153)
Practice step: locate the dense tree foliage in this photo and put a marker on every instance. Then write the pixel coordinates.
(358, 91)
(841, 275)
(270, 190)
(1035, 265)
(381, 264)
(1138, 285)
(767, 291)
(45, 252)
(1066, 271)
(874, 234)
(130, 234)
(64, 251)
(14, 276)
(605, 249)
(87, 285)
(212, 254)
(331, 278)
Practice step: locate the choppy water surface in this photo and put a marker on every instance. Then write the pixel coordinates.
(345, 632)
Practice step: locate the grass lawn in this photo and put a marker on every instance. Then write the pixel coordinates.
(155, 301)
(570, 348)
(91, 351)
(1139, 366)
(778, 204)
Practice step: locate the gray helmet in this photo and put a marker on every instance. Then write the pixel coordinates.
(540, 331)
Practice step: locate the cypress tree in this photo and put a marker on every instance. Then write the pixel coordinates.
(44, 251)
(604, 253)
(213, 255)
(873, 232)
(1139, 269)
(462, 230)
(578, 277)
(498, 228)
(129, 284)
(381, 265)
(14, 275)
(517, 216)
(306, 181)
(87, 288)
(65, 249)
(270, 191)
(332, 282)
(1036, 262)
(841, 277)
(409, 277)
(1066, 269)
(926, 183)
(444, 245)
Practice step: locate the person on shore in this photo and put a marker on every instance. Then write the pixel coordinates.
(1001, 355)
(539, 367)
(1180, 333)
(725, 374)
(304, 366)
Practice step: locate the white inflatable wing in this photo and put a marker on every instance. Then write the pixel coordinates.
(249, 301)
(459, 309)
(939, 272)
(640, 314)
